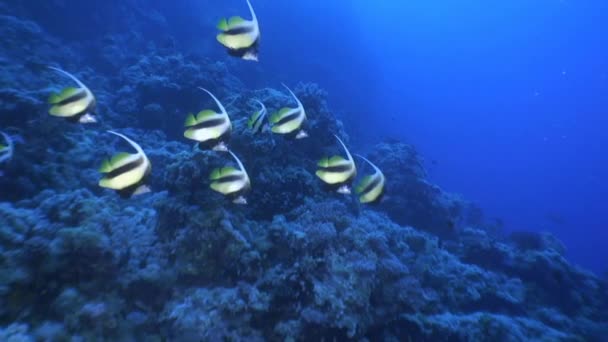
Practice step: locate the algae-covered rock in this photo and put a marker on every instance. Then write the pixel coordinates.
(16, 333)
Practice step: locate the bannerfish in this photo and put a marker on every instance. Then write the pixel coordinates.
(75, 104)
(126, 172)
(240, 36)
(231, 182)
(6, 148)
(290, 120)
(256, 121)
(337, 171)
(212, 130)
(371, 188)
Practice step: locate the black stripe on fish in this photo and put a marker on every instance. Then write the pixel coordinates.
(230, 179)
(373, 184)
(76, 117)
(125, 168)
(258, 121)
(289, 117)
(241, 192)
(81, 94)
(379, 198)
(338, 168)
(207, 144)
(240, 30)
(253, 50)
(130, 190)
(208, 123)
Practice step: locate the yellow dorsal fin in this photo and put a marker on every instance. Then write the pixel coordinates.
(204, 114)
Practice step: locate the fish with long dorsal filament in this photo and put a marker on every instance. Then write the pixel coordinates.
(126, 172)
(210, 129)
(256, 121)
(290, 121)
(371, 188)
(337, 171)
(241, 37)
(76, 104)
(6, 148)
(232, 182)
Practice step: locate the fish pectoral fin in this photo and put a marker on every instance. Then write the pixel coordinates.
(87, 118)
(240, 200)
(142, 189)
(221, 147)
(344, 190)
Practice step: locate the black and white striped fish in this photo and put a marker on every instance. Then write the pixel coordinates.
(241, 37)
(232, 182)
(371, 188)
(75, 104)
(290, 120)
(337, 171)
(256, 121)
(6, 148)
(126, 172)
(211, 129)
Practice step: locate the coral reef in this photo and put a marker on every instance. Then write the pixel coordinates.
(78, 262)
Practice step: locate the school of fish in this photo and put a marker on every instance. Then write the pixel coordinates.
(126, 173)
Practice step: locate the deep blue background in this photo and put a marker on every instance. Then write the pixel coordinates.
(507, 98)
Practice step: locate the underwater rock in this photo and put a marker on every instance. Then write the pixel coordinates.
(158, 78)
(285, 188)
(16, 333)
(478, 326)
(217, 314)
(50, 331)
(410, 199)
(182, 263)
(536, 241)
(332, 268)
(188, 175)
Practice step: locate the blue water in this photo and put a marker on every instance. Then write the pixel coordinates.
(506, 100)
(463, 105)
